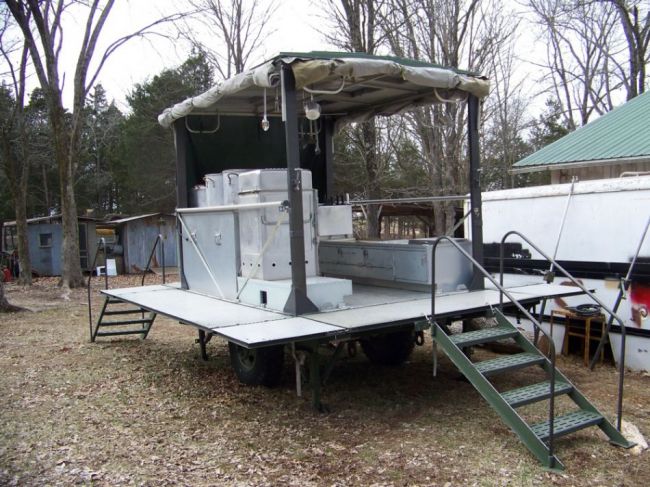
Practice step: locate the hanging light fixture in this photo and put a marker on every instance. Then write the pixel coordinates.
(265, 121)
(312, 109)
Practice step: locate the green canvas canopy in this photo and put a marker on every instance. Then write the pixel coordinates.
(348, 86)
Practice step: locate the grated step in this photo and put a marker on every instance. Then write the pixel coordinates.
(482, 336)
(534, 393)
(568, 423)
(125, 322)
(122, 332)
(509, 362)
(125, 312)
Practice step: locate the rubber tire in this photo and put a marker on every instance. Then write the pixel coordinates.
(390, 348)
(261, 366)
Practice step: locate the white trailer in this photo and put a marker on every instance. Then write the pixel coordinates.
(249, 260)
(603, 227)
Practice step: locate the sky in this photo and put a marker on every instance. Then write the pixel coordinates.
(294, 25)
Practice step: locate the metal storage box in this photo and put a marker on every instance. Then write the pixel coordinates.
(256, 227)
(397, 263)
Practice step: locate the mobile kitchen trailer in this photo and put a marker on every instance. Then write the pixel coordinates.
(266, 264)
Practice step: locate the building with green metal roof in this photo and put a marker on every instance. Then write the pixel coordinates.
(616, 143)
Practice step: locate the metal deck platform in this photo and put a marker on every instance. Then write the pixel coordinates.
(369, 308)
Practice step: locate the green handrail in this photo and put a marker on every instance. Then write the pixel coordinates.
(499, 286)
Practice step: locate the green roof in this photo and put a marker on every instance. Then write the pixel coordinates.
(619, 136)
(362, 55)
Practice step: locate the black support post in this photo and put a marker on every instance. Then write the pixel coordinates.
(298, 302)
(475, 189)
(328, 125)
(181, 142)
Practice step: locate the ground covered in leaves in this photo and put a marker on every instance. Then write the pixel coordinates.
(132, 412)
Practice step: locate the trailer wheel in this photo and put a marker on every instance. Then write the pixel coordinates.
(390, 348)
(261, 366)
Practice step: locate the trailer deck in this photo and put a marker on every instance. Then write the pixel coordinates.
(368, 308)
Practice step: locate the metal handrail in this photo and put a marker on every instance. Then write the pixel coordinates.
(101, 244)
(499, 286)
(147, 268)
(621, 368)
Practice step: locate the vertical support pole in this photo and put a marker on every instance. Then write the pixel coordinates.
(298, 302)
(314, 377)
(202, 345)
(328, 125)
(475, 189)
(181, 143)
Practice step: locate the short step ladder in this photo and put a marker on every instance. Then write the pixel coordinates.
(536, 436)
(115, 319)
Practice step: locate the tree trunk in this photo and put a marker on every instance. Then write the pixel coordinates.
(369, 138)
(24, 261)
(5, 306)
(71, 275)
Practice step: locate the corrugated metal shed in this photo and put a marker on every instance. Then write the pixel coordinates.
(137, 237)
(618, 137)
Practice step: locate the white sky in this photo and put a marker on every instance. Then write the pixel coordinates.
(293, 30)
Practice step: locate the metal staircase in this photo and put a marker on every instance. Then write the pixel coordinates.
(539, 438)
(534, 436)
(109, 322)
(108, 325)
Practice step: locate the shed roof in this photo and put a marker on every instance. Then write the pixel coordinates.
(51, 219)
(618, 137)
(136, 217)
(348, 86)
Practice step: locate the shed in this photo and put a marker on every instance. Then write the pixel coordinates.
(612, 145)
(137, 236)
(45, 238)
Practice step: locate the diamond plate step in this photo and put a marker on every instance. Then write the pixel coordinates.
(508, 362)
(482, 336)
(568, 423)
(534, 393)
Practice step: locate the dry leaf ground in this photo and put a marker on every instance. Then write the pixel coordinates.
(132, 412)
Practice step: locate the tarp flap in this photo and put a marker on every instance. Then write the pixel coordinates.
(310, 71)
(264, 76)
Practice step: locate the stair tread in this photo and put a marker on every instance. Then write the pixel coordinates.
(121, 332)
(567, 423)
(534, 392)
(124, 311)
(482, 336)
(125, 322)
(508, 362)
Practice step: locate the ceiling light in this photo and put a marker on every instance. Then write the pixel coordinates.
(312, 110)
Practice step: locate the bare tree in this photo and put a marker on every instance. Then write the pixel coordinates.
(453, 33)
(504, 120)
(235, 30)
(636, 29)
(581, 43)
(41, 23)
(355, 28)
(14, 143)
